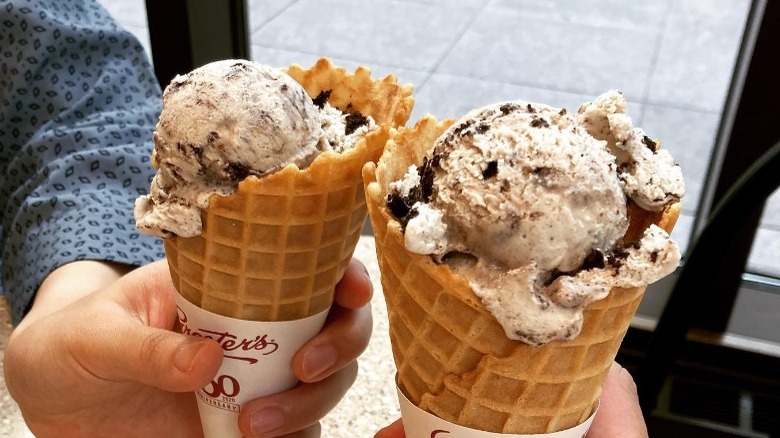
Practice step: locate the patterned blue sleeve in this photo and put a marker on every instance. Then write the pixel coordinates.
(78, 104)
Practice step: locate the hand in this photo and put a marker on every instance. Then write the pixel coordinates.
(619, 414)
(105, 363)
(395, 430)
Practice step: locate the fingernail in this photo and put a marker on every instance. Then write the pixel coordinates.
(367, 277)
(267, 420)
(318, 360)
(185, 357)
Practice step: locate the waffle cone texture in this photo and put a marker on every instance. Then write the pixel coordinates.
(275, 249)
(453, 357)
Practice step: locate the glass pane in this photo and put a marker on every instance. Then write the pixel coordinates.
(131, 14)
(765, 255)
(755, 315)
(672, 59)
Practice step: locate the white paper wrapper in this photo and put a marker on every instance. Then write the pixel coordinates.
(258, 357)
(421, 424)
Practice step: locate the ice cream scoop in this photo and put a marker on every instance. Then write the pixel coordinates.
(529, 202)
(228, 120)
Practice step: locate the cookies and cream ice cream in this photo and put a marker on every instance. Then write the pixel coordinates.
(529, 203)
(228, 120)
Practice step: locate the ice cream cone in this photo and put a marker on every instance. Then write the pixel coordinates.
(275, 249)
(453, 358)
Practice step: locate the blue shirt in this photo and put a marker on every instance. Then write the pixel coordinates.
(78, 105)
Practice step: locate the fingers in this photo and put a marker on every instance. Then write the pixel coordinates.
(346, 332)
(619, 414)
(395, 430)
(620, 376)
(299, 408)
(344, 337)
(355, 288)
(328, 359)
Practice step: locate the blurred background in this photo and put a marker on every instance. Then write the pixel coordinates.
(698, 75)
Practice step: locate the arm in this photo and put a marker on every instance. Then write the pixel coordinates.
(79, 103)
(69, 283)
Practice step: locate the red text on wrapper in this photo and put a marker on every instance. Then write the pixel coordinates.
(221, 393)
(225, 386)
(229, 342)
(224, 403)
(437, 432)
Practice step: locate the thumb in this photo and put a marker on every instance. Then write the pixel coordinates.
(129, 351)
(166, 360)
(129, 337)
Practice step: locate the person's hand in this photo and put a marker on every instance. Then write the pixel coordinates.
(106, 363)
(395, 430)
(619, 414)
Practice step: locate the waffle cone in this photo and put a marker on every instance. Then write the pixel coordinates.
(453, 357)
(275, 249)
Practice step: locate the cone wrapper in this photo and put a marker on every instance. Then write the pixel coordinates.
(419, 423)
(257, 361)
